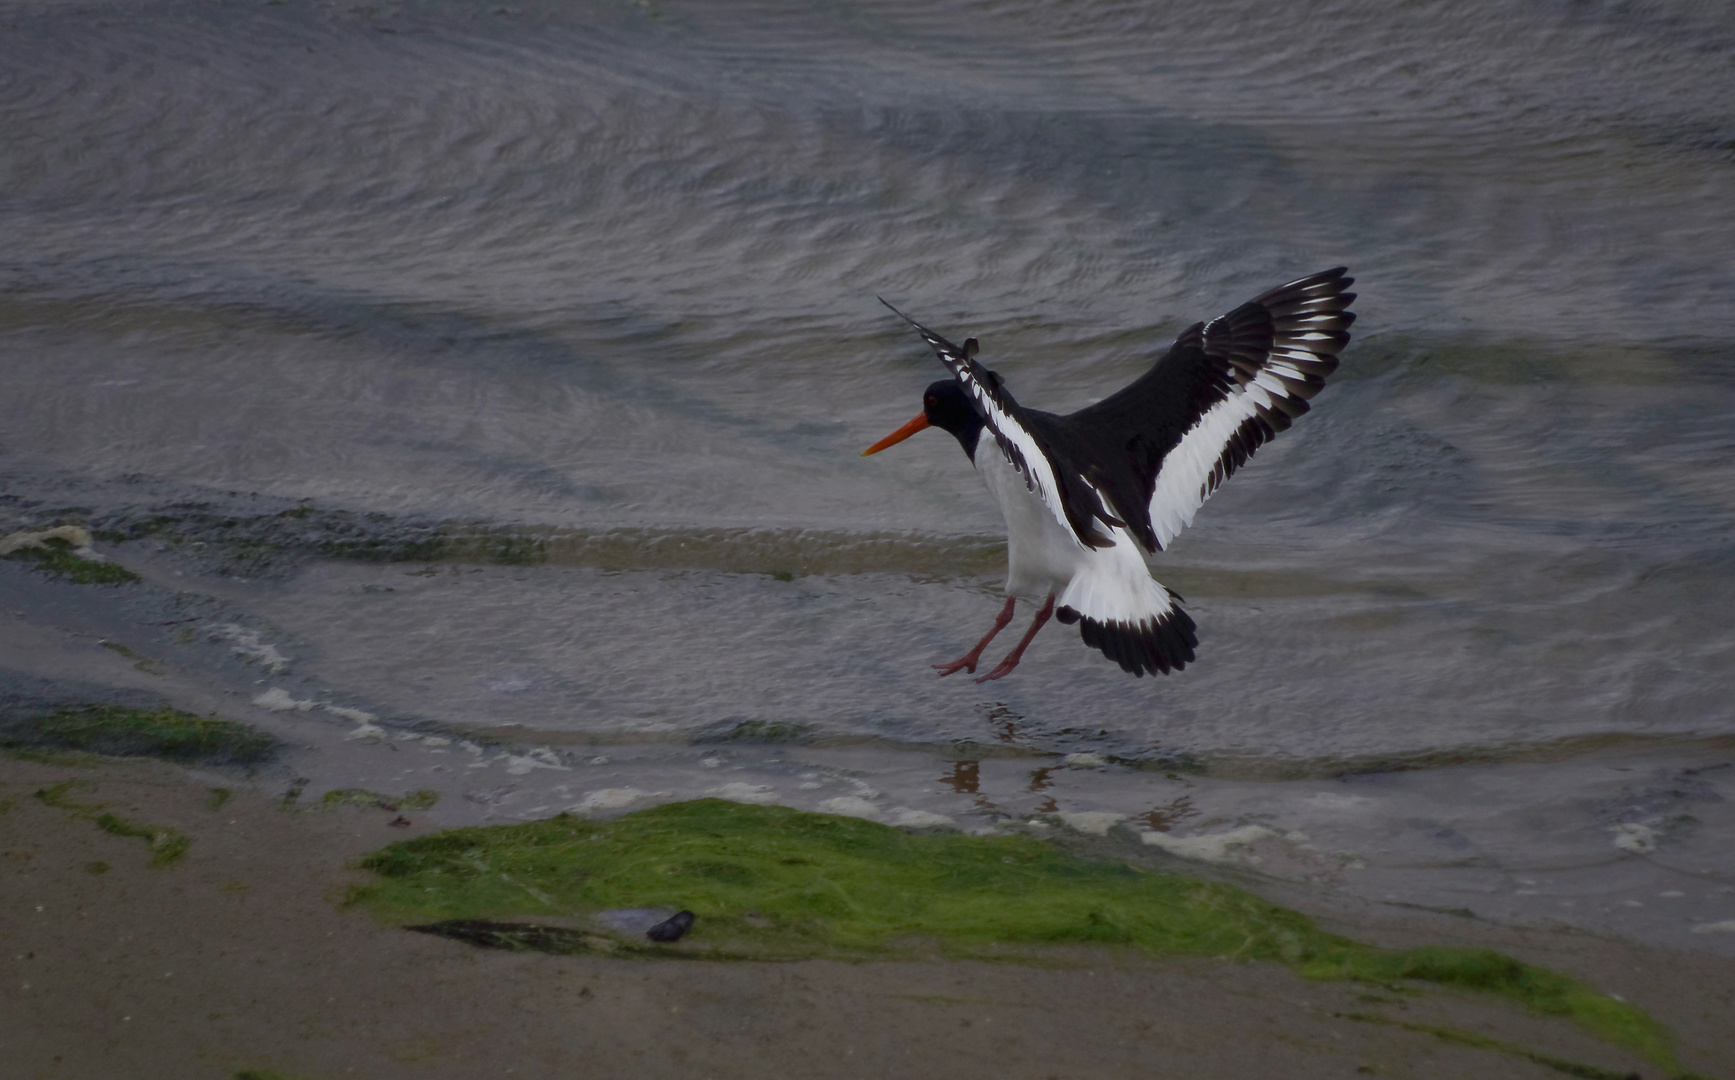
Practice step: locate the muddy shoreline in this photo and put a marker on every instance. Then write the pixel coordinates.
(235, 957)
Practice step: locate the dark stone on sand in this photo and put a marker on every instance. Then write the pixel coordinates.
(671, 929)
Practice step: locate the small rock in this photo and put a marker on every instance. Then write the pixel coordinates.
(631, 921)
(671, 929)
(400, 822)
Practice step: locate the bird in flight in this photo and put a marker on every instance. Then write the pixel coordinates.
(1088, 497)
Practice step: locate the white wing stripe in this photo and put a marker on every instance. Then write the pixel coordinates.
(1309, 326)
(1038, 473)
(1035, 467)
(1181, 484)
(1268, 381)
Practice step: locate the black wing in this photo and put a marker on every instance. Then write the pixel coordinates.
(1162, 445)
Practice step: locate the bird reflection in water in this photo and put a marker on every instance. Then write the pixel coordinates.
(1164, 818)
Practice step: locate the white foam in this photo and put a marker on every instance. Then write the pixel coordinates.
(1084, 760)
(277, 699)
(905, 818)
(1091, 822)
(539, 758)
(251, 647)
(613, 798)
(1727, 926)
(1223, 847)
(758, 794)
(851, 806)
(71, 534)
(1636, 838)
(1332, 801)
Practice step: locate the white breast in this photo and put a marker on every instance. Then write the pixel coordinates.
(1043, 558)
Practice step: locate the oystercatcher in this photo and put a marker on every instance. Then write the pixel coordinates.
(1089, 496)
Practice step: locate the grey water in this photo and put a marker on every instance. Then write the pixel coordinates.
(485, 384)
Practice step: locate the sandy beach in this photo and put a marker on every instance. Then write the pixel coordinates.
(236, 960)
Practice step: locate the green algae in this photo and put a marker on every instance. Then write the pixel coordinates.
(41, 755)
(420, 799)
(126, 732)
(759, 731)
(166, 845)
(57, 557)
(1477, 1041)
(771, 883)
(293, 794)
(260, 543)
(140, 663)
(557, 940)
(1483, 969)
(56, 796)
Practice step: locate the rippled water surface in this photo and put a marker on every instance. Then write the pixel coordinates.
(507, 367)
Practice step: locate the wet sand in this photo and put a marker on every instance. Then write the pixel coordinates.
(235, 958)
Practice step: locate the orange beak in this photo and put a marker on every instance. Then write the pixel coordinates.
(898, 436)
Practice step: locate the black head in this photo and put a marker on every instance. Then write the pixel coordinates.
(946, 406)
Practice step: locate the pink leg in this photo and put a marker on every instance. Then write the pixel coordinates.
(1012, 658)
(969, 660)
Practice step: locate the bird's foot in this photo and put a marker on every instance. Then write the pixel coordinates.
(963, 663)
(969, 660)
(1005, 666)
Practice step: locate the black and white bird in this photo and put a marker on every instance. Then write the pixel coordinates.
(1090, 496)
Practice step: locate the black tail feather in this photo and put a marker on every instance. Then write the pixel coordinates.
(1157, 646)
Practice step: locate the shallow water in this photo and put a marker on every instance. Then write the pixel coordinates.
(586, 294)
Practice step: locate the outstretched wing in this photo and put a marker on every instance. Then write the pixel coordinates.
(1162, 445)
(1074, 502)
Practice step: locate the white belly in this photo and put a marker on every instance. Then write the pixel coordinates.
(1043, 558)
